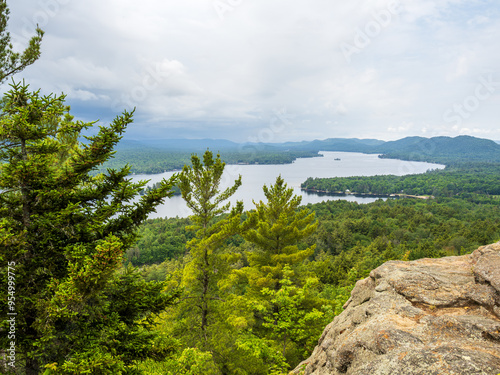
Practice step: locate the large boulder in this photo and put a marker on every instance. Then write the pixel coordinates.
(425, 317)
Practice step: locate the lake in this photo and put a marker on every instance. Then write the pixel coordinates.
(255, 176)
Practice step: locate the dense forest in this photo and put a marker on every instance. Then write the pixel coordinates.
(153, 160)
(462, 179)
(448, 224)
(348, 241)
(166, 155)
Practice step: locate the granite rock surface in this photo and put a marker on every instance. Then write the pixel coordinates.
(424, 317)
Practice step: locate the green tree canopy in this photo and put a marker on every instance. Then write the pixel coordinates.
(200, 185)
(280, 225)
(280, 298)
(65, 228)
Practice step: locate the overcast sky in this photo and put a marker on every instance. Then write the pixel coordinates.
(272, 71)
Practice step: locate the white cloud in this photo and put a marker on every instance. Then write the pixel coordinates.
(403, 128)
(83, 95)
(180, 63)
(341, 109)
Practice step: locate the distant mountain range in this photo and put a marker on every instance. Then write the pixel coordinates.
(437, 149)
(189, 145)
(463, 148)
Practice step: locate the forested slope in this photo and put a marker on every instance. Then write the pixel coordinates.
(161, 156)
(464, 179)
(225, 292)
(165, 155)
(350, 240)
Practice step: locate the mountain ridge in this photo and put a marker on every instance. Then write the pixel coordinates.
(440, 149)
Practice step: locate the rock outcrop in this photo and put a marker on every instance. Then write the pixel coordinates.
(425, 317)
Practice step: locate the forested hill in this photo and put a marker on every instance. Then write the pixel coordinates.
(155, 156)
(473, 166)
(444, 150)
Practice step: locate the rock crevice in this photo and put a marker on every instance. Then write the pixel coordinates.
(429, 316)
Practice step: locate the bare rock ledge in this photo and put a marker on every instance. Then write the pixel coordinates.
(425, 317)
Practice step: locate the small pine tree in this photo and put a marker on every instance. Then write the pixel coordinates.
(280, 295)
(279, 226)
(200, 188)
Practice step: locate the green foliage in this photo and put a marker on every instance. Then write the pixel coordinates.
(290, 320)
(97, 362)
(200, 184)
(13, 62)
(362, 237)
(160, 239)
(279, 228)
(338, 295)
(66, 230)
(462, 179)
(156, 185)
(262, 356)
(190, 361)
(276, 298)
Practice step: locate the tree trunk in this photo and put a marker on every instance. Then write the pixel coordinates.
(204, 296)
(204, 304)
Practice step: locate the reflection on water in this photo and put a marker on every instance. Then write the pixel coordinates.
(343, 195)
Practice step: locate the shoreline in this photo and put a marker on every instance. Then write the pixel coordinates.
(302, 157)
(363, 195)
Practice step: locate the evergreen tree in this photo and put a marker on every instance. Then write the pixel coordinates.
(279, 228)
(13, 62)
(63, 233)
(200, 188)
(280, 295)
(292, 319)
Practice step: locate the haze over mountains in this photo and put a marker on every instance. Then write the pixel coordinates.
(436, 149)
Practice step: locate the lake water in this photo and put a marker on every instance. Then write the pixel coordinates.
(255, 176)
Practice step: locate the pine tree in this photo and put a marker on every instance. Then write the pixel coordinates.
(64, 230)
(292, 319)
(200, 188)
(279, 294)
(13, 62)
(280, 225)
